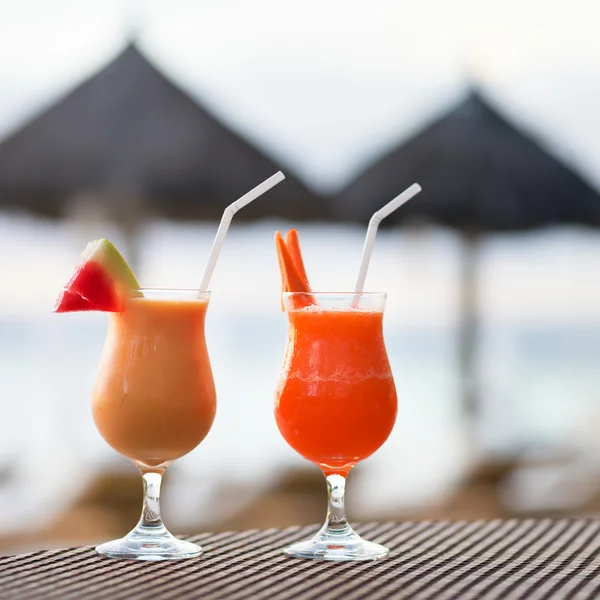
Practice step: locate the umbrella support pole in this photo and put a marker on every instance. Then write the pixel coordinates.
(468, 335)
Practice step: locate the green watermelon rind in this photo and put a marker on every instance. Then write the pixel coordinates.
(104, 253)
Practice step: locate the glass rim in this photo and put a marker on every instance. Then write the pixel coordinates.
(191, 293)
(334, 294)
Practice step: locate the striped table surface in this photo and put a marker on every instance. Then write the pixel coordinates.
(528, 559)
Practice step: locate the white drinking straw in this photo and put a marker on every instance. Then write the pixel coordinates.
(228, 213)
(381, 214)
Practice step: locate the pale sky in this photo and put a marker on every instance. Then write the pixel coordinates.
(326, 86)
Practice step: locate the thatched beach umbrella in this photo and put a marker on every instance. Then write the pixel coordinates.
(479, 173)
(132, 137)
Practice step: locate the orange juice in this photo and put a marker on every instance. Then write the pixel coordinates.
(336, 400)
(154, 396)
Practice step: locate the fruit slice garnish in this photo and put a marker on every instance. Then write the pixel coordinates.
(102, 281)
(293, 245)
(291, 281)
(284, 284)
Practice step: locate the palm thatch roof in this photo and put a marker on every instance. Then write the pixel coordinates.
(130, 132)
(477, 171)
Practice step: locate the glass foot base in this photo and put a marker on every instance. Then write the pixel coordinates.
(343, 548)
(149, 547)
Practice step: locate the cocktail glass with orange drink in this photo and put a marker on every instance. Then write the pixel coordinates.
(154, 401)
(154, 395)
(335, 402)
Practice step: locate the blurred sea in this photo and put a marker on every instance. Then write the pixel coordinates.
(539, 358)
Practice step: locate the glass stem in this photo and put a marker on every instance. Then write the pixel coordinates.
(151, 522)
(336, 524)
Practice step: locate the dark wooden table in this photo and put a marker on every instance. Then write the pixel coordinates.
(529, 559)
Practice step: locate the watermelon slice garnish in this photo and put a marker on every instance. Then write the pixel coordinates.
(102, 281)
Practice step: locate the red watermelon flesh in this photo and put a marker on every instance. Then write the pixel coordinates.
(95, 288)
(70, 302)
(102, 281)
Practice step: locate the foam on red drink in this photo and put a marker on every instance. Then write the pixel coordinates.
(336, 400)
